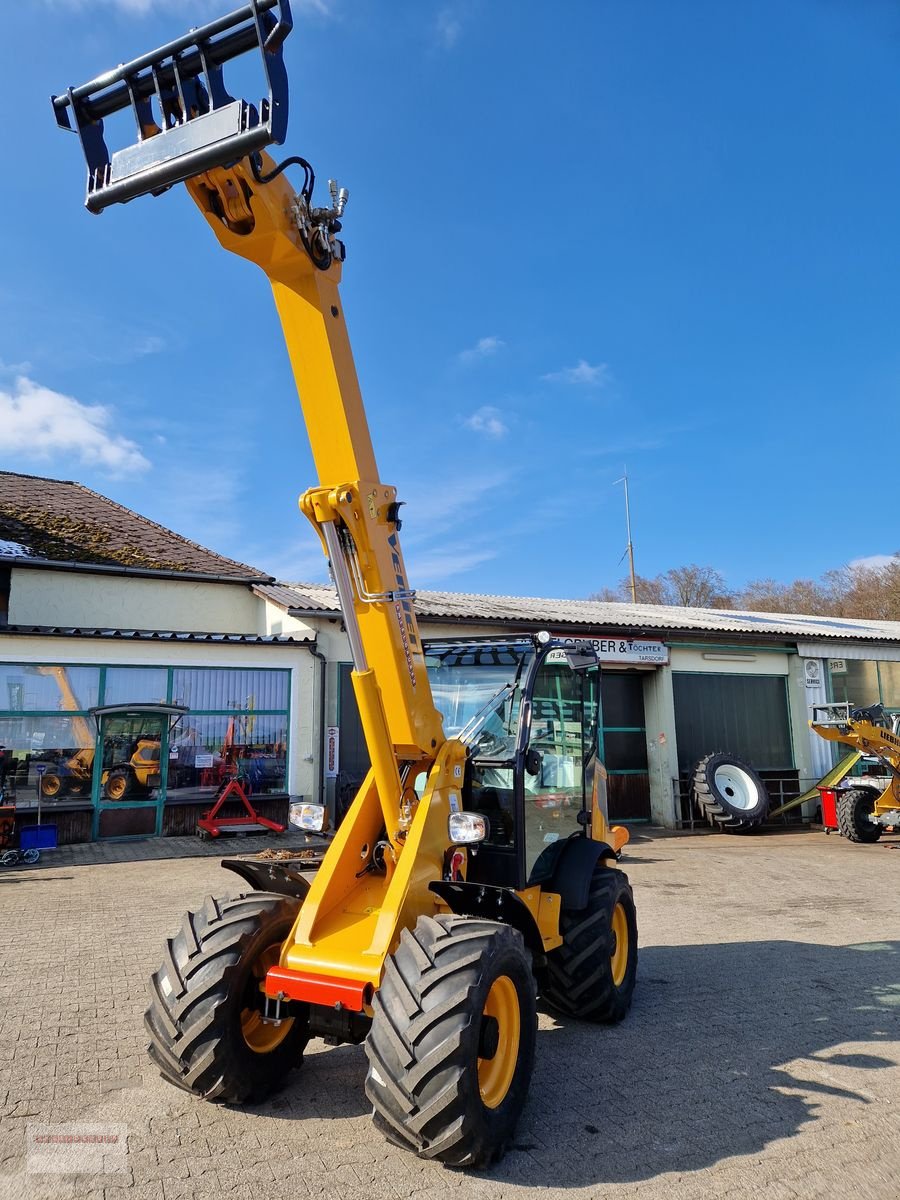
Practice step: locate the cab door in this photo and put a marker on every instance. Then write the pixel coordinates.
(560, 764)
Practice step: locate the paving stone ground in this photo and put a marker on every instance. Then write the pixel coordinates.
(760, 1058)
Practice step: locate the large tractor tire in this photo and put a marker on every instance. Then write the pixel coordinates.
(592, 974)
(854, 815)
(205, 1017)
(729, 793)
(451, 1046)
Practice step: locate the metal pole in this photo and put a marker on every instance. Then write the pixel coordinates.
(630, 550)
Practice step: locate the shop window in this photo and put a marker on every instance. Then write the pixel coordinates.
(746, 715)
(25, 687)
(55, 753)
(858, 684)
(207, 751)
(625, 750)
(136, 685)
(230, 690)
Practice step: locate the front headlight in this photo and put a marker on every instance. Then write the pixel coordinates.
(311, 818)
(465, 828)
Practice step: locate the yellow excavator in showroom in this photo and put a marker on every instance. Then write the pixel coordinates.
(866, 809)
(476, 866)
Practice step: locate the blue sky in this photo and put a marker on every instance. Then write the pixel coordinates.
(579, 235)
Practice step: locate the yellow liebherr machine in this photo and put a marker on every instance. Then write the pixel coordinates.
(476, 866)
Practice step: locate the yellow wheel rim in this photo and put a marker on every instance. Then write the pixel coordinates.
(51, 785)
(115, 788)
(618, 960)
(495, 1074)
(261, 1036)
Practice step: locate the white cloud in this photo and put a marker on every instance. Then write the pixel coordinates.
(582, 374)
(874, 562)
(487, 420)
(448, 28)
(426, 568)
(484, 348)
(41, 425)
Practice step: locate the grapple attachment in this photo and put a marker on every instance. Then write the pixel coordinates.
(187, 122)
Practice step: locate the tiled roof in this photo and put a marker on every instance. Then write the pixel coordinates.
(596, 614)
(54, 520)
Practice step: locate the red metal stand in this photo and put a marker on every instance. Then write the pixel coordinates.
(211, 825)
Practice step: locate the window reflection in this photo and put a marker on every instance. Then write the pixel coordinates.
(205, 752)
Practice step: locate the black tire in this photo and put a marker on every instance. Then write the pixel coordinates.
(206, 985)
(720, 802)
(585, 977)
(119, 784)
(854, 815)
(52, 785)
(430, 1047)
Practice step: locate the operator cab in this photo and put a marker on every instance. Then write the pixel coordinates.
(529, 713)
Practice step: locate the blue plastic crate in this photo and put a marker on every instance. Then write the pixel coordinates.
(37, 837)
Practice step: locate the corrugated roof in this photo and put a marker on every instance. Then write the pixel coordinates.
(532, 610)
(59, 521)
(155, 635)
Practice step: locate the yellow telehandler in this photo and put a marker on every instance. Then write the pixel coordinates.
(476, 866)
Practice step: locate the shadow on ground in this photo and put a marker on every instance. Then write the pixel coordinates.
(706, 1066)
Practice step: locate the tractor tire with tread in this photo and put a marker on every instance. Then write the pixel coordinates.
(591, 976)
(451, 1047)
(731, 809)
(206, 1035)
(854, 811)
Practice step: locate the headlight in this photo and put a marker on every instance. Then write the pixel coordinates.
(466, 827)
(311, 818)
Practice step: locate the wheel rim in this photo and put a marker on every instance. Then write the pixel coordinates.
(737, 787)
(261, 1036)
(51, 785)
(495, 1073)
(115, 787)
(618, 960)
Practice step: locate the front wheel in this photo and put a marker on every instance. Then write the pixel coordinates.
(451, 1046)
(205, 1020)
(854, 815)
(592, 974)
(119, 784)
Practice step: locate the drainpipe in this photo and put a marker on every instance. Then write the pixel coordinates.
(317, 653)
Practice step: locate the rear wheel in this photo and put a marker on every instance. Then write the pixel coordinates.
(592, 974)
(854, 815)
(729, 793)
(451, 1046)
(205, 1020)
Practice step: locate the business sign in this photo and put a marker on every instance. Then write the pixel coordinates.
(837, 666)
(647, 651)
(812, 672)
(332, 751)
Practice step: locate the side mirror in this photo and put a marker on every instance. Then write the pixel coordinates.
(582, 656)
(533, 762)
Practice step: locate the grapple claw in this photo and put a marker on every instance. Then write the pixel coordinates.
(187, 122)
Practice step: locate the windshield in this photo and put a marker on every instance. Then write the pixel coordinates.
(469, 681)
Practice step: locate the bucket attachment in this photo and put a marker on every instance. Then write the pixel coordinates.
(187, 123)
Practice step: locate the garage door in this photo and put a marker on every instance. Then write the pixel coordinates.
(746, 715)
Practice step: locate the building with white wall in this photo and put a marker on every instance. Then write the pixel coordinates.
(128, 650)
